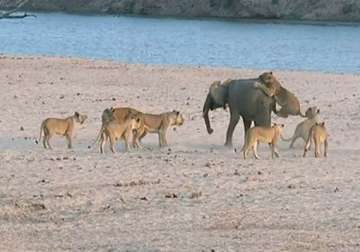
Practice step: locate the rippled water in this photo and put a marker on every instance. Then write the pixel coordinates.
(247, 44)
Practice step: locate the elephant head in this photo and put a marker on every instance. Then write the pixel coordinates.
(216, 98)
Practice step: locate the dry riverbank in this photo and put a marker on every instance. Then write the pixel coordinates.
(193, 196)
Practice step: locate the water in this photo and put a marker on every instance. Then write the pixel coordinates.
(328, 47)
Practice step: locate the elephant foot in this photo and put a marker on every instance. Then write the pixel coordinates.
(210, 131)
(228, 145)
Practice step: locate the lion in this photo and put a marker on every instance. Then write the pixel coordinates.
(289, 103)
(268, 84)
(149, 123)
(160, 123)
(268, 135)
(64, 127)
(302, 129)
(114, 130)
(318, 134)
(119, 115)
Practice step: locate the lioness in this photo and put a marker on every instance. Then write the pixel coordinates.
(268, 135)
(113, 130)
(318, 134)
(120, 115)
(64, 127)
(302, 129)
(159, 123)
(268, 83)
(289, 103)
(149, 123)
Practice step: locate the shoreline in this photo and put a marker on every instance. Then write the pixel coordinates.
(186, 66)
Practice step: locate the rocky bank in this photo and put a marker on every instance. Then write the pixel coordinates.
(335, 10)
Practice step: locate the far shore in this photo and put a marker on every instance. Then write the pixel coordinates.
(321, 10)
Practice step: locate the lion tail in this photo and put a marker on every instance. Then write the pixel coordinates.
(101, 131)
(286, 139)
(41, 131)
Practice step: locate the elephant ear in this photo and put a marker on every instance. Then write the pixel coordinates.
(218, 92)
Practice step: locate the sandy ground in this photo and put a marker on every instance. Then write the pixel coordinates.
(195, 195)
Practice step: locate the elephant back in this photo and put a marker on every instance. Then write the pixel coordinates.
(249, 101)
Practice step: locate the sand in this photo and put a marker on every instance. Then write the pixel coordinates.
(195, 195)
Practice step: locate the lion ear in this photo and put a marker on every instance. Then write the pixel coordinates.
(318, 111)
(282, 125)
(76, 114)
(322, 124)
(274, 124)
(271, 73)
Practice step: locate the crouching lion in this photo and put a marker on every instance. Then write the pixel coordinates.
(268, 135)
(114, 130)
(64, 127)
(289, 103)
(302, 129)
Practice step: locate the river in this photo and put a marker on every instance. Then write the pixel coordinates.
(253, 44)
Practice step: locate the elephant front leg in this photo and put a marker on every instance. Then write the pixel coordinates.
(234, 119)
(247, 125)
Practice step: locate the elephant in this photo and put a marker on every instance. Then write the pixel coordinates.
(243, 99)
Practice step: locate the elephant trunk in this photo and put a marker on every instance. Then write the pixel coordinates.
(207, 106)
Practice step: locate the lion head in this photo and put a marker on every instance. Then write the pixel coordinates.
(270, 81)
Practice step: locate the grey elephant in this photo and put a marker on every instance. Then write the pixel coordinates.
(243, 99)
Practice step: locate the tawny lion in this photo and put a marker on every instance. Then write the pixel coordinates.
(150, 123)
(318, 134)
(289, 103)
(114, 130)
(302, 129)
(64, 127)
(268, 135)
(159, 124)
